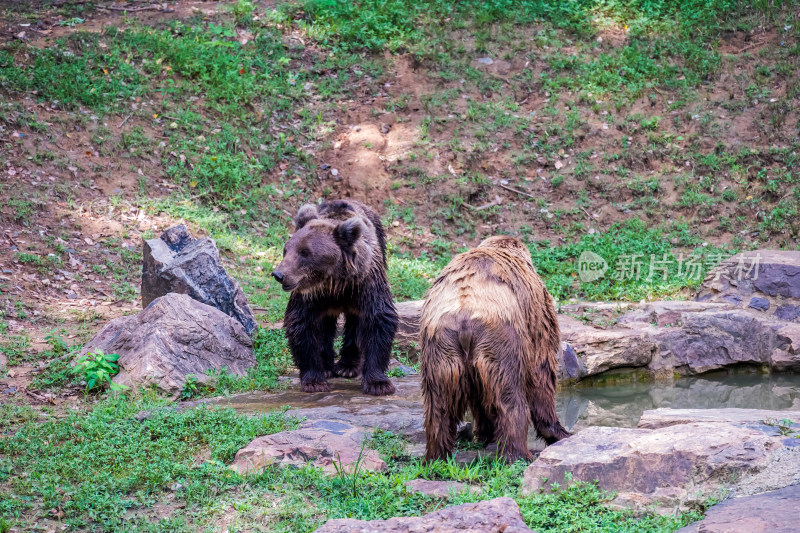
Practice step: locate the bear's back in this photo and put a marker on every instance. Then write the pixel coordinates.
(490, 285)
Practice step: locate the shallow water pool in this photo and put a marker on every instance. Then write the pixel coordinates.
(622, 405)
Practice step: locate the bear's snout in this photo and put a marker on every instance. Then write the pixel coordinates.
(287, 283)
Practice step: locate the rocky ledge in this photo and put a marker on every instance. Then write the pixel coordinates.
(771, 512)
(677, 458)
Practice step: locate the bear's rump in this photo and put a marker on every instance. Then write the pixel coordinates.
(489, 304)
(475, 342)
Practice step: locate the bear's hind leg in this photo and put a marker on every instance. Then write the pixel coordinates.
(483, 420)
(349, 364)
(443, 399)
(511, 430)
(543, 410)
(504, 396)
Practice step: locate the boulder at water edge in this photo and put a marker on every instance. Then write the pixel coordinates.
(171, 338)
(676, 461)
(178, 263)
(770, 512)
(500, 515)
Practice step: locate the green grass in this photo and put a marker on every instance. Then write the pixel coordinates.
(628, 248)
(16, 349)
(102, 468)
(670, 44)
(272, 360)
(95, 467)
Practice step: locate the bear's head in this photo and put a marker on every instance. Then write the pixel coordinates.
(320, 250)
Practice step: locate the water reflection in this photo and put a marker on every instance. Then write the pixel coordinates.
(622, 405)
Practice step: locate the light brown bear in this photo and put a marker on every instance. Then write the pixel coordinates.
(489, 340)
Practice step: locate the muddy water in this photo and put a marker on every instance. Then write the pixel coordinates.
(622, 405)
(344, 393)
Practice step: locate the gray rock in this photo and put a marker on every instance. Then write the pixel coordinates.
(671, 467)
(788, 312)
(500, 515)
(593, 351)
(770, 512)
(173, 337)
(761, 304)
(787, 356)
(407, 336)
(178, 263)
(440, 489)
(331, 447)
(570, 368)
(661, 418)
(767, 273)
(711, 340)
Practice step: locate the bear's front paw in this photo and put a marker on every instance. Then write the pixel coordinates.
(378, 387)
(345, 371)
(315, 386)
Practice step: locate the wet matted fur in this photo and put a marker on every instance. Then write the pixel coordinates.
(489, 340)
(335, 263)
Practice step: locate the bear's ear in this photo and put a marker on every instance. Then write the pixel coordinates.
(306, 213)
(348, 232)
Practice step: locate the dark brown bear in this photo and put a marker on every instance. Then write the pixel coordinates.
(489, 340)
(335, 263)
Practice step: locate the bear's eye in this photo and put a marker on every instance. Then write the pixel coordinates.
(304, 253)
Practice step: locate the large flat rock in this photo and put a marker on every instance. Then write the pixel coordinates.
(500, 515)
(713, 340)
(660, 418)
(330, 446)
(175, 336)
(770, 512)
(673, 466)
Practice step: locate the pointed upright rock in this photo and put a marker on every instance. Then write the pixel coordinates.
(178, 263)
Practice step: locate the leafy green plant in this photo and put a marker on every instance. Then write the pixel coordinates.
(57, 343)
(396, 372)
(189, 387)
(97, 368)
(785, 426)
(388, 444)
(243, 11)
